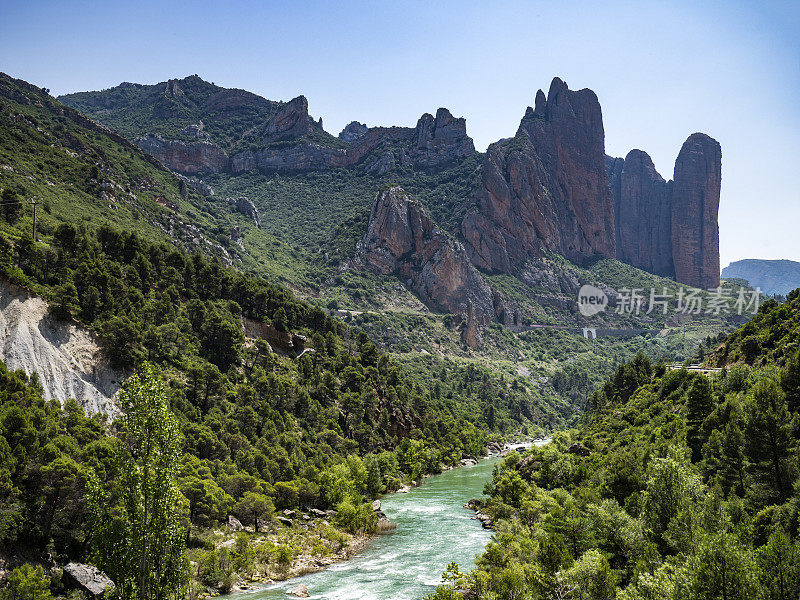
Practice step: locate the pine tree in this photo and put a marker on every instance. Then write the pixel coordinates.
(699, 404)
(769, 440)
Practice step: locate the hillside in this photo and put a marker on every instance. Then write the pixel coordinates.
(772, 276)
(319, 207)
(676, 485)
(279, 406)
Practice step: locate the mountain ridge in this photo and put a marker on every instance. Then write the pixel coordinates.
(778, 276)
(550, 188)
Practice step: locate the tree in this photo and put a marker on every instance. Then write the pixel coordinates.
(790, 382)
(66, 301)
(222, 337)
(141, 547)
(770, 441)
(672, 489)
(780, 567)
(254, 507)
(591, 577)
(279, 320)
(122, 339)
(11, 205)
(722, 569)
(699, 403)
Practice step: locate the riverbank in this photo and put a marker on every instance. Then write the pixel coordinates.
(433, 529)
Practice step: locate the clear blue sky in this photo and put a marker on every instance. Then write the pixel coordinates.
(661, 71)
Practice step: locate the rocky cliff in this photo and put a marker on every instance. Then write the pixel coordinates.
(292, 121)
(547, 188)
(643, 213)
(66, 358)
(670, 227)
(199, 157)
(402, 240)
(352, 131)
(695, 206)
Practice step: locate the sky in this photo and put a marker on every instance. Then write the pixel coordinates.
(662, 70)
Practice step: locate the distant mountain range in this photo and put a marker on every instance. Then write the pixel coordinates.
(772, 276)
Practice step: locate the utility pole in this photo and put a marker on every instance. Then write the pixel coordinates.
(34, 202)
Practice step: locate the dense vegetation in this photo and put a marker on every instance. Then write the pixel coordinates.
(261, 429)
(677, 485)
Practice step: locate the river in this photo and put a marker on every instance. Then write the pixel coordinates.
(433, 530)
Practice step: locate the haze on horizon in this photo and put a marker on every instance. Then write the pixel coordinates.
(661, 72)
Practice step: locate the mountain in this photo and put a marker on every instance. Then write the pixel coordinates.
(195, 127)
(670, 227)
(551, 188)
(476, 254)
(772, 276)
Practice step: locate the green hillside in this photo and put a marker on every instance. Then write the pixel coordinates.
(233, 119)
(311, 222)
(677, 484)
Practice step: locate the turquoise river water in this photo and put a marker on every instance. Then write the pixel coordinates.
(433, 530)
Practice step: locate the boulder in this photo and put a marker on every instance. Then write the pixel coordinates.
(299, 591)
(384, 524)
(376, 505)
(321, 514)
(288, 513)
(578, 449)
(234, 524)
(474, 504)
(88, 579)
(283, 520)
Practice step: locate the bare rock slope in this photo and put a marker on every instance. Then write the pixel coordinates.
(66, 357)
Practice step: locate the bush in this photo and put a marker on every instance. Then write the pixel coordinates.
(356, 518)
(27, 583)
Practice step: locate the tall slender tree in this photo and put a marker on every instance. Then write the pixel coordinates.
(141, 542)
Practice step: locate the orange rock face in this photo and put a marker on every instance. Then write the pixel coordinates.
(547, 188)
(402, 240)
(695, 205)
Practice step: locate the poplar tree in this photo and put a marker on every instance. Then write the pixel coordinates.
(141, 540)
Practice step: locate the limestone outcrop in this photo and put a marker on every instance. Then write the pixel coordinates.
(352, 131)
(196, 157)
(695, 206)
(643, 213)
(245, 206)
(670, 227)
